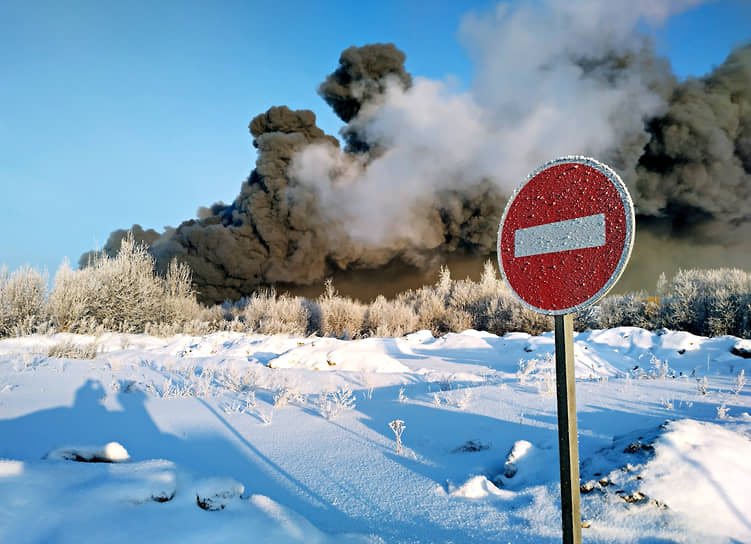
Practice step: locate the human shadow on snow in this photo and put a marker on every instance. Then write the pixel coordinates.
(87, 422)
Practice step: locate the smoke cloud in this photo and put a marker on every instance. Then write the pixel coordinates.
(360, 81)
(425, 170)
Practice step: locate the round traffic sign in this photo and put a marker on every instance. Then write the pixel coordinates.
(566, 235)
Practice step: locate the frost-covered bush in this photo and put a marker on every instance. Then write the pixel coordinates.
(704, 302)
(22, 295)
(238, 380)
(69, 350)
(531, 322)
(180, 305)
(340, 316)
(121, 293)
(629, 310)
(473, 301)
(390, 318)
(398, 427)
(452, 305)
(124, 293)
(67, 301)
(708, 302)
(332, 402)
(430, 307)
(266, 313)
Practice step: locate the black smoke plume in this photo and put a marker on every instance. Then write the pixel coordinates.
(402, 197)
(361, 79)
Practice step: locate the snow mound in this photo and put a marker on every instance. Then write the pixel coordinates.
(112, 452)
(10, 468)
(216, 493)
(479, 487)
(520, 449)
(368, 355)
(742, 348)
(527, 464)
(703, 467)
(142, 501)
(139, 483)
(419, 337)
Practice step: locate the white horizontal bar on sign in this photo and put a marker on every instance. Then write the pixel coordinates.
(578, 233)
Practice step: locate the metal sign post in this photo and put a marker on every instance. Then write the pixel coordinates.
(568, 446)
(564, 240)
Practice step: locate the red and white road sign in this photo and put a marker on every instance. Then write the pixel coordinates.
(566, 235)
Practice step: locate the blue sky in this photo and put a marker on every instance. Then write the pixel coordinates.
(114, 113)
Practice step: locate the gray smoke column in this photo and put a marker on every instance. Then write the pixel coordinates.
(695, 174)
(425, 171)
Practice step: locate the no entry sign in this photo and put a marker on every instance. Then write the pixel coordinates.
(566, 235)
(564, 239)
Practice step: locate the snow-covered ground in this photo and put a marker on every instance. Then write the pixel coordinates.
(248, 438)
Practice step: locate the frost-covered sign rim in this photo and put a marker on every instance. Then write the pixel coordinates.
(566, 235)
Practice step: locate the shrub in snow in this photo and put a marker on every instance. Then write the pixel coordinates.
(180, 305)
(740, 381)
(476, 305)
(22, 295)
(462, 398)
(237, 380)
(531, 322)
(367, 382)
(242, 405)
(177, 387)
(125, 294)
(526, 369)
(704, 302)
(390, 318)
(485, 305)
(332, 402)
(266, 416)
(708, 302)
(401, 397)
(701, 385)
(340, 317)
(446, 382)
(471, 446)
(546, 383)
(660, 368)
(201, 382)
(286, 392)
(69, 350)
(266, 312)
(628, 310)
(121, 293)
(398, 427)
(430, 308)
